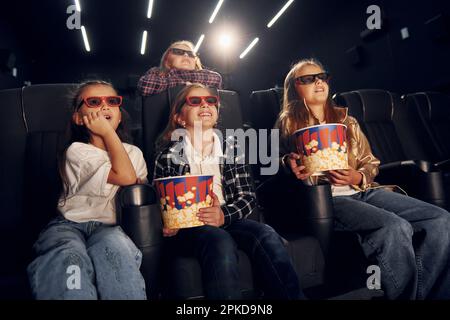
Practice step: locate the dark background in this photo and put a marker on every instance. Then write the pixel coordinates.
(46, 51)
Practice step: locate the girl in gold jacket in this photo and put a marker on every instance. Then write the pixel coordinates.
(384, 221)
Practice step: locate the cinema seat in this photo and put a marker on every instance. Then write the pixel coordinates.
(32, 119)
(426, 122)
(383, 117)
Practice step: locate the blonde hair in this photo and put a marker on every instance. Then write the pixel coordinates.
(162, 64)
(294, 114)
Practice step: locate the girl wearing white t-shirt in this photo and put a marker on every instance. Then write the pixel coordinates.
(83, 254)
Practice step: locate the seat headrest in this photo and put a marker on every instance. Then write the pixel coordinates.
(352, 101)
(46, 107)
(377, 105)
(435, 106)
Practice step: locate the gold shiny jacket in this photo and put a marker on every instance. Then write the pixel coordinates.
(360, 155)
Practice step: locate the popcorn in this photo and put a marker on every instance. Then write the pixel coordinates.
(181, 197)
(326, 159)
(174, 218)
(323, 147)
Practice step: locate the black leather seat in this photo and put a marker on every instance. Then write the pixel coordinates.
(265, 105)
(374, 110)
(427, 125)
(185, 273)
(383, 119)
(32, 121)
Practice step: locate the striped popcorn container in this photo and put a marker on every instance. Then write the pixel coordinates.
(181, 197)
(323, 147)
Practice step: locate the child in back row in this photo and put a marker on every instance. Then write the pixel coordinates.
(180, 65)
(83, 254)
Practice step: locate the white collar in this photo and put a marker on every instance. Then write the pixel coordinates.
(193, 155)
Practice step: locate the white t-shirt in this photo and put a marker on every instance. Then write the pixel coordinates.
(208, 164)
(90, 197)
(337, 191)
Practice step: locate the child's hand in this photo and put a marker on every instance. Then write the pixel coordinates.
(169, 232)
(213, 215)
(97, 124)
(297, 170)
(344, 177)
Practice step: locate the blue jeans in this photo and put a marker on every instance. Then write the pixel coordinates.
(216, 250)
(411, 267)
(85, 261)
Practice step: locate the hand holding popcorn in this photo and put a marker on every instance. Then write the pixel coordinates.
(169, 232)
(213, 215)
(298, 170)
(345, 177)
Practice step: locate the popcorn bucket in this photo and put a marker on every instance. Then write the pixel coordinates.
(181, 197)
(323, 147)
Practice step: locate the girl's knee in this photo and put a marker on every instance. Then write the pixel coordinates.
(398, 228)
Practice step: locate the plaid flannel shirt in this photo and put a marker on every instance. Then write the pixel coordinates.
(240, 198)
(155, 81)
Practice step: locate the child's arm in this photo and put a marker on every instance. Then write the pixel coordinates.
(244, 198)
(213, 215)
(367, 163)
(161, 163)
(152, 82)
(122, 172)
(206, 77)
(366, 167)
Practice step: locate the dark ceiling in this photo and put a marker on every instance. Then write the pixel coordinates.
(115, 28)
(48, 51)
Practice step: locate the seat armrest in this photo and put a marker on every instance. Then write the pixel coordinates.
(420, 179)
(139, 214)
(292, 207)
(422, 165)
(140, 217)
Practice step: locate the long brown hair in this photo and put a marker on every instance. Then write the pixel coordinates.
(164, 139)
(76, 133)
(294, 114)
(162, 64)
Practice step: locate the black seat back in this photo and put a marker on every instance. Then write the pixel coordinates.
(46, 110)
(32, 122)
(13, 144)
(375, 112)
(265, 105)
(428, 118)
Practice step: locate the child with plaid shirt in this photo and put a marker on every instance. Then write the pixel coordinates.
(226, 228)
(179, 65)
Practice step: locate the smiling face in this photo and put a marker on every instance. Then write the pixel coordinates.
(183, 62)
(112, 114)
(205, 113)
(315, 92)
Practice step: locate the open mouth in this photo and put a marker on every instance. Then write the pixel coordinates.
(107, 117)
(205, 114)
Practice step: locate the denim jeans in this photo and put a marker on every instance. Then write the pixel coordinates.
(216, 250)
(408, 238)
(106, 260)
